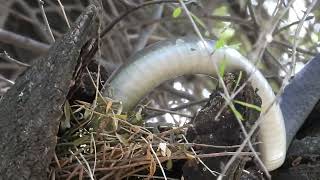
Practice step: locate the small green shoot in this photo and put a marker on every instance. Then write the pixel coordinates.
(121, 116)
(236, 113)
(222, 67)
(220, 11)
(220, 43)
(252, 106)
(238, 81)
(176, 12)
(233, 109)
(227, 33)
(199, 21)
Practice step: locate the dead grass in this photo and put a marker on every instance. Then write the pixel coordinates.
(106, 144)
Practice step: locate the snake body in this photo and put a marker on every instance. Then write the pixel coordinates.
(171, 58)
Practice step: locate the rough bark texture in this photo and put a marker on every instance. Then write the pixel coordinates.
(302, 160)
(303, 156)
(30, 111)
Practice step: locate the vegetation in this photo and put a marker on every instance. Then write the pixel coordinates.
(96, 139)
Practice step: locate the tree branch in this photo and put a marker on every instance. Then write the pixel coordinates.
(23, 42)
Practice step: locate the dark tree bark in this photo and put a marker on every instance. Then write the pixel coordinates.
(302, 160)
(225, 131)
(30, 111)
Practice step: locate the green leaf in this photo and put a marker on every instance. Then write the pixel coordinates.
(252, 106)
(199, 21)
(238, 81)
(236, 113)
(121, 116)
(176, 12)
(222, 67)
(219, 44)
(220, 11)
(227, 33)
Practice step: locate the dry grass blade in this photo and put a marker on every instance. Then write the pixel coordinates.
(64, 13)
(41, 3)
(107, 145)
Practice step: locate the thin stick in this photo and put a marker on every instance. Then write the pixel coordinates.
(167, 111)
(135, 171)
(183, 94)
(155, 155)
(44, 16)
(180, 107)
(143, 161)
(6, 80)
(88, 166)
(295, 39)
(64, 13)
(129, 11)
(286, 45)
(252, 14)
(95, 153)
(6, 57)
(148, 31)
(209, 145)
(74, 172)
(194, 152)
(88, 170)
(56, 160)
(23, 42)
(291, 24)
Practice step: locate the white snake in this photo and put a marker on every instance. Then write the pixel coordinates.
(168, 59)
